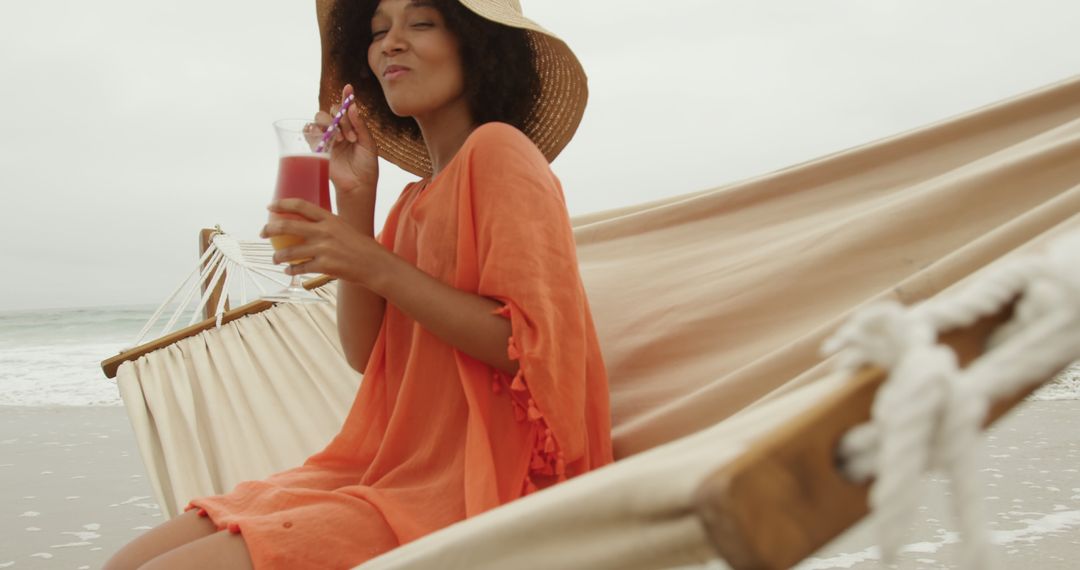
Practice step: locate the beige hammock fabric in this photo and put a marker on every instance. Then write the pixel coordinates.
(707, 305)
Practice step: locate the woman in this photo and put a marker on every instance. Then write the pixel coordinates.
(483, 379)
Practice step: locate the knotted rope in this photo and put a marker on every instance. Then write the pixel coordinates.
(928, 413)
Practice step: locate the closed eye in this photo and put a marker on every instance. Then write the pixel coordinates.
(375, 35)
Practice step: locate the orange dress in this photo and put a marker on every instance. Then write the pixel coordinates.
(435, 436)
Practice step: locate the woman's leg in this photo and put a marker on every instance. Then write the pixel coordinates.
(223, 550)
(171, 534)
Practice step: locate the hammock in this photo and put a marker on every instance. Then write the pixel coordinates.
(711, 309)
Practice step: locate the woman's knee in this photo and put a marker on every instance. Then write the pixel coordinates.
(221, 551)
(171, 534)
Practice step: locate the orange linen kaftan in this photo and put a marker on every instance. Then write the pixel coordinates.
(435, 436)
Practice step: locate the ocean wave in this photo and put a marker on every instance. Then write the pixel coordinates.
(57, 375)
(1065, 386)
(72, 326)
(53, 357)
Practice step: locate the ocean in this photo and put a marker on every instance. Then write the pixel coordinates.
(53, 357)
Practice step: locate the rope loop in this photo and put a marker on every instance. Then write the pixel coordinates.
(928, 414)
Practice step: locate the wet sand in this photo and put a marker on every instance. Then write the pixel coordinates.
(74, 487)
(74, 490)
(1030, 478)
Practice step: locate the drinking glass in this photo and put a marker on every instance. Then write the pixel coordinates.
(303, 173)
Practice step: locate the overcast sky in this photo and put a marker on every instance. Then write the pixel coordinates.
(128, 124)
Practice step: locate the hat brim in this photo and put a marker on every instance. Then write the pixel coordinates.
(552, 123)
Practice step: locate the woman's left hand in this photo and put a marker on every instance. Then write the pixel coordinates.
(331, 246)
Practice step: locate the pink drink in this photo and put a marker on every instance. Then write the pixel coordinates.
(304, 176)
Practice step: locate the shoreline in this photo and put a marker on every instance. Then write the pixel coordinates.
(1029, 478)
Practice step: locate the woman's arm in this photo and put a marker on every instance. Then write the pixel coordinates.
(359, 316)
(371, 275)
(354, 170)
(461, 319)
(359, 310)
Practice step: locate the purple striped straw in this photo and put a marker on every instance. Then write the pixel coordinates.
(334, 124)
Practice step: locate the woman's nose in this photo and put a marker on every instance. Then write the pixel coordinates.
(393, 42)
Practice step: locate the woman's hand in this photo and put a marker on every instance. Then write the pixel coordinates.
(331, 246)
(354, 164)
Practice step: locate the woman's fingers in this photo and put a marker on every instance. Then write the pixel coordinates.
(363, 135)
(306, 228)
(313, 135)
(358, 130)
(298, 206)
(282, 227)
(298, 269)
(314, 131)
(295, 253)
(346, 124)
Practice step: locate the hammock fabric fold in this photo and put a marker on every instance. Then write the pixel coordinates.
(710, 309)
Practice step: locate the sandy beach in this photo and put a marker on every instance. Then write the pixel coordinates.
(75, 491)
(1030, 475)
(74, 487)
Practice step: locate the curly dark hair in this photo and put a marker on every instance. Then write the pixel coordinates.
(501, 83)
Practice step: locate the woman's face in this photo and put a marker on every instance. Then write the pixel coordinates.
(415, 57)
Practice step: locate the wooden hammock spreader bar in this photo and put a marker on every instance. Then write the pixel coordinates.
(206, 237)
(110, 366)
(786, 497)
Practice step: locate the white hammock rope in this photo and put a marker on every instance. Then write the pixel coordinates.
(157, 314)
(228, 261)
(928, 413)
(219, 272)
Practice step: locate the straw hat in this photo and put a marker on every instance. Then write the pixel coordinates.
(553, 120)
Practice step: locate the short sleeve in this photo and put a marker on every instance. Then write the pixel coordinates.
(528, 261)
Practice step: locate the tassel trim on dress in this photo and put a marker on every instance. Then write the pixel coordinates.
(547, 458)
